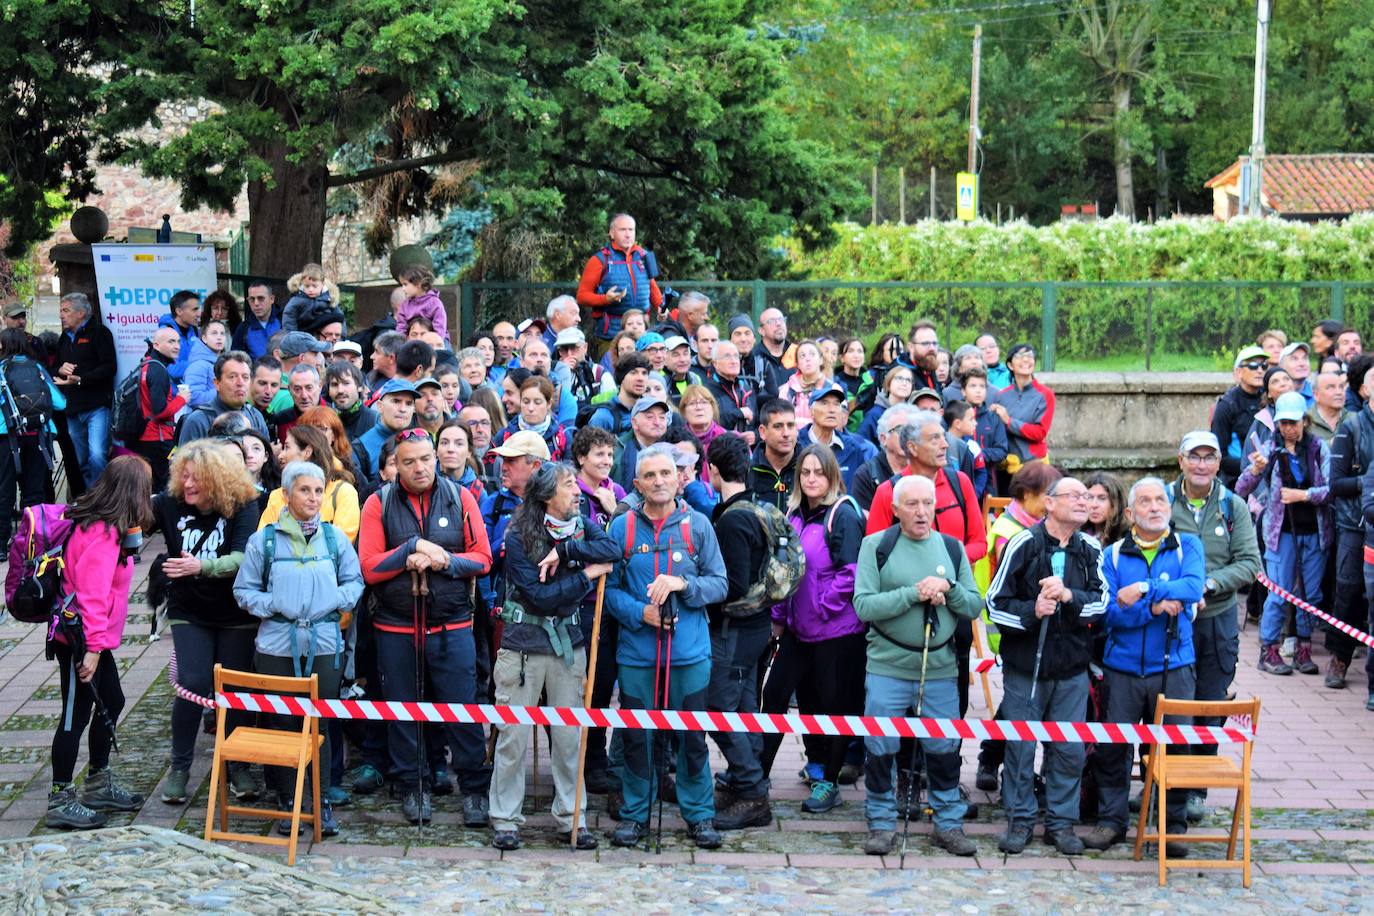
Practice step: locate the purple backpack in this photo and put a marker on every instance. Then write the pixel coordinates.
(33, 582)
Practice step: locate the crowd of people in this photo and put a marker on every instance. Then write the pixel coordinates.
(305, 479)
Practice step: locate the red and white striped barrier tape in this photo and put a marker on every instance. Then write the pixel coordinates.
(181, 691)
(753, 723)
(1347, 629)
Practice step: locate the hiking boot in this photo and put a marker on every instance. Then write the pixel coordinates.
(1271, 662)
(338, 796)
(1065, 840)
(1103, 837)
(476, 810)
(242, 785)
(849, 774)
(1335, 674)
(880, 842)
(705, 834)
(954, 842)
(825, 796)
(745, 812)
(1175, 850)
(629, 833)
(1302, 659)
(443, 782)
(417, 808)
(986, 780)
(506, 840)
(970, 806)
(585, 839)
(365, 779)
(1014, 841)
(1197, 809)
(811, 772)
(66, 812)
(174, 787)
(328, 826)
(103, 793)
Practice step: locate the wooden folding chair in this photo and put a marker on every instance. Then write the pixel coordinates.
(993, 506)
(1176, 769)
(270, 747)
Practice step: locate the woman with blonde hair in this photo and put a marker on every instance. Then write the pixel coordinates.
(810, 375)
(701, 413)
(340, 507)
(208, 513)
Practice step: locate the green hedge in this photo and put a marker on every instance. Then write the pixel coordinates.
(1101, 321)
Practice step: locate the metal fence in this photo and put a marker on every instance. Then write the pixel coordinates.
(1161, 325)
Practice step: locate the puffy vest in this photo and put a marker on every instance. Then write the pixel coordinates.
(444, 524)
(630, 272)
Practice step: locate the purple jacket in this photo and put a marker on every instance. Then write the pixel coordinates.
(1317, 461)
(823, 606)
(591, 507)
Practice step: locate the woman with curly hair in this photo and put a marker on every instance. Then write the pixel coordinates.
(208, 513)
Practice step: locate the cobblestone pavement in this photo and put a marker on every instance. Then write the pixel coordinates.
(1314, 819)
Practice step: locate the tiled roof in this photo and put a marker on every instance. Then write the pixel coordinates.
(1326, 183)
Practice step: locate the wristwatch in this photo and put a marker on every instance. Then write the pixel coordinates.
(1211, 584)
(1144, 586)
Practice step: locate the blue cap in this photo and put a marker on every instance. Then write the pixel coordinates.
(398, 386)
(823, 390)
(647, 340)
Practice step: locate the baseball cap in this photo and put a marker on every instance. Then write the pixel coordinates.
(1294, 346)
(1291, 405)
(645, 403)
(924, 393)
(428, 381)
(398, 386)
(823, 390)
(677, 340)
(570, 337)
(527, 443)
(528, 323)
(348, 346)
(647, 340)
(297, 342)
(739, 321)
(15, 309)
(1248, 353)
(1198, 438)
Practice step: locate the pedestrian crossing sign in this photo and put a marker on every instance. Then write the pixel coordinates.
(966, 183)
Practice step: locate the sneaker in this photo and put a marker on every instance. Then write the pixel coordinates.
(1014, 841)
(1197, 809)
(986, 780)
(66, 812)
(585, 839)
(745, 812)
(1302, 660)
(954, 842)
(1066, 841)
(242, 785)
(506, 840)
(476, 811)
(103, 793)
(1103, 837)
(284, 824)
(328, 826)
(1271, 662)
(629, 833)
(417, 807)
(443, 782)
(174, 787)
(1289, 647)
(811, 772)
(705, 834)
(1335, 674)
(365, 779)
(880, 842)
(338, 796)
(849, 774)
(825, 796)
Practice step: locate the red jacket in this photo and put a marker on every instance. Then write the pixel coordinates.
(967, 526)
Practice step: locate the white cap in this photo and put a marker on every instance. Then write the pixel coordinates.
(1199, 438)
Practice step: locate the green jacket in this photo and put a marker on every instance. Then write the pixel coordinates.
(1233, 557)
(887, 601)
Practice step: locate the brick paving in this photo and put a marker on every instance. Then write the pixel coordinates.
(1313, 794)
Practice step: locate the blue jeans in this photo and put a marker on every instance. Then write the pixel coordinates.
(1297, 553)
(890, 696)
(90, 432)
(1063, 700)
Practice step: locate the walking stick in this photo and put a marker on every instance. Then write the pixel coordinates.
(916, 744)
(587, 704)
(419, 592)
(1040, 650)
(1170, 634)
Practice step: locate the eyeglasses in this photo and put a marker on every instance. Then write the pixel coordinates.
(479, 423)
(1205, 459)
(1071, 496)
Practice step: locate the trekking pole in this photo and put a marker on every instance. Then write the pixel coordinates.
(1040, 650)
(587, 704)
(916, 744)
(663, 752)
(419, 589)
(1170, 634)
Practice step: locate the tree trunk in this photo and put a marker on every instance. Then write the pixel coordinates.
(286, 219)
(1125, 185)
(1163, 209)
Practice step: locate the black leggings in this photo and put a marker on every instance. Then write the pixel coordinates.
(80, 698)
(835, 667)
(198, 648)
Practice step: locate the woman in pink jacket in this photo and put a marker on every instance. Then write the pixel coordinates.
(109, 520)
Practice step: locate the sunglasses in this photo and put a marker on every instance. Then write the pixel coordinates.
(1255, 366)
(412, 434)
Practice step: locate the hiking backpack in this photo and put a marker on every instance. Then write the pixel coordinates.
(33, 582)
(784, 562)
(126, 418)
(28, 401)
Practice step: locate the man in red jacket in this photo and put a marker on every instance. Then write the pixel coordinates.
(619, 277)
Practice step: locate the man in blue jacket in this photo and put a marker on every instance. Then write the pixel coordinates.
(658, 594)
(183, 316)
(1155, 578)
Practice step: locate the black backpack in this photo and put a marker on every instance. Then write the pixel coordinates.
(28, 401)
(127, 420)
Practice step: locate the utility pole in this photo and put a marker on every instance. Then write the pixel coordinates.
(973, 132)
(1253, 205)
